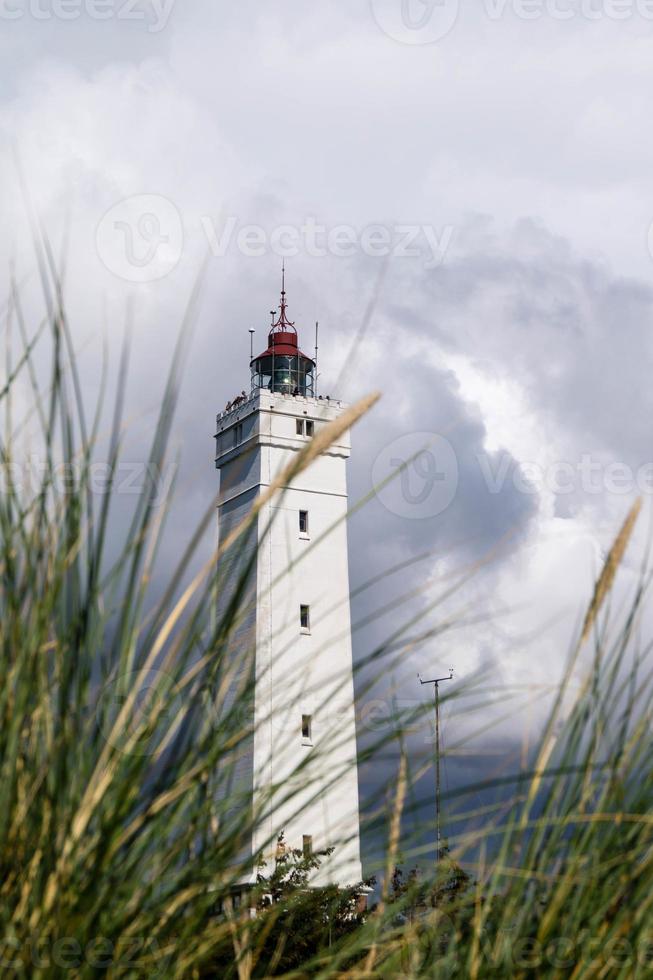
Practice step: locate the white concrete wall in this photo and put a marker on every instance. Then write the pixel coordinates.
(296, 673)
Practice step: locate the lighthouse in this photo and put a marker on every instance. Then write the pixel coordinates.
(297, 768)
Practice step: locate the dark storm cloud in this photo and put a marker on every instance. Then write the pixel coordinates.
(476, 519)
(577, 337)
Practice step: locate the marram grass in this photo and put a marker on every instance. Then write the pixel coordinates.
(117, 857)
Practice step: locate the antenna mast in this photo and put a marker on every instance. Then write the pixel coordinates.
(436, 683)
(317, 328)
(252, 331)
(282, 318)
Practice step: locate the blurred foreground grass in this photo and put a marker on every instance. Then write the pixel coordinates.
(117, 856)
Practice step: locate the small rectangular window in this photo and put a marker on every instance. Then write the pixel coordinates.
(307, 728)
(300, 427)
(305, 618)
(307, 845)
(310, 428)
(303, 522)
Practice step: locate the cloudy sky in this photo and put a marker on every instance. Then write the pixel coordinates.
(463, 196)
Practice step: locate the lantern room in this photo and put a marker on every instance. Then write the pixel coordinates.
(283, 367)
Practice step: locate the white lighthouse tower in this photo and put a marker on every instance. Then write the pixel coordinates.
(294, 638)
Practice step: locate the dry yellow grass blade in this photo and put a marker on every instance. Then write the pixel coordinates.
(610, 567)
(391, 858)
(479, 917)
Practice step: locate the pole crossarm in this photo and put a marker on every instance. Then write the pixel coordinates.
(438, 680)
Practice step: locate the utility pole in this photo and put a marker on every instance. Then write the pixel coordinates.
(436, 683)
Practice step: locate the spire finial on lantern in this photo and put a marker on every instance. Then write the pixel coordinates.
(283, 322)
